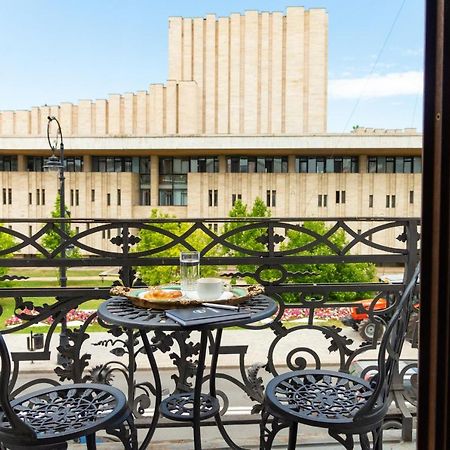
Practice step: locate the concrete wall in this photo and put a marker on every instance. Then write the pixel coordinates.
(256, 73)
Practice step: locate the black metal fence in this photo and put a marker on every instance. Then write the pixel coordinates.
(288, 256)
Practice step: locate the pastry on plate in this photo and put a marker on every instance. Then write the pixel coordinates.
(155, 295)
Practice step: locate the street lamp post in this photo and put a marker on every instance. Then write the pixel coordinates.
(56, 164)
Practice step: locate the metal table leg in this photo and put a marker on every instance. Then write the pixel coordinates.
(158, 389)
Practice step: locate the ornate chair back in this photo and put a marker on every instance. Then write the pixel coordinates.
(389, 352)
(16, 426)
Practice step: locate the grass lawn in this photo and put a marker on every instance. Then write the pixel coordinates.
(50, 272)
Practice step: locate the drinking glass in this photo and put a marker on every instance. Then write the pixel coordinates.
(189, 270)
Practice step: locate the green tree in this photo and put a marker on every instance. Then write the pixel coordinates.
(52, 239)
(326, 273)
(248, 239)
(152, 239)
(6, 242)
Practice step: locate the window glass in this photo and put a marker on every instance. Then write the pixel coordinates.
(338, 166)
(311, 165)
(407, 164)
(372, 164)
(417, 164)
(8, 163)
(320, 167)
(381, 164)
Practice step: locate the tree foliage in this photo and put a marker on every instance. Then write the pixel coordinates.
(246, 239)
(154, 276)
(326, 273)
(6, 241)
(51, 240)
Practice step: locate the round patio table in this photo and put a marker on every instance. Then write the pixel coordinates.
(192, 406)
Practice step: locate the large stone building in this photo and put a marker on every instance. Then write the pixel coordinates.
(242, 115)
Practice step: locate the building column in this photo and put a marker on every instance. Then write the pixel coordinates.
(363, 164)
(87, 163)
(21, 163)
(154, 180)
(291, 164)
(222, 164)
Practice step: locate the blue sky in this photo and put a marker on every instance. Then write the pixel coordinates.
(54, 51)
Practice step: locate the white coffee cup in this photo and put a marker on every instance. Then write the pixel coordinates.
(209, 288)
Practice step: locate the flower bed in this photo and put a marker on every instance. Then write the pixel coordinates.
(319, 313)
(74, 315)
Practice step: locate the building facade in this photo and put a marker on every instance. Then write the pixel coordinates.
(243, 115)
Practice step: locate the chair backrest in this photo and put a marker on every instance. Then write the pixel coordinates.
(389, 352)
(16, 426)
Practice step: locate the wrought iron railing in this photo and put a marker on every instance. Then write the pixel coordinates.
(286, 256)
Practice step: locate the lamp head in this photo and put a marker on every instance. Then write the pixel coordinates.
(53, 164)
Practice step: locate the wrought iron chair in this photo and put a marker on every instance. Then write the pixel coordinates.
(49, 418)
(347, 405)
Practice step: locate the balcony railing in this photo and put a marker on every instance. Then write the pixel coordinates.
(286, 256)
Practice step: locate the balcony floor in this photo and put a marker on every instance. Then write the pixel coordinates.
(313, 439)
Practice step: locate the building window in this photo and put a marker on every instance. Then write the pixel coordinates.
(38, 197)
(394, 164)
(213, 227)
(271, 198)
(144, 180)
(119, 197)
(9, 196)
(322, 200)
(235, 197)
(71, 197)
(30, 198)
(8, 163)
(254, 164)
(113, 163)
(340, 196)
(73, 164)
(30, 230)
(370, 201)
(77, 197)
(4, 196)
(36, 163)
(92, 195)
(390, 201)
(43, 196)
(336, 164)
(208, 164)
(213, 197)
(144, 197)
(108, 199)
(173, 181)
(411, 197)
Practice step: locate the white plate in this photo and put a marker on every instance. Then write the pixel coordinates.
(193, 295)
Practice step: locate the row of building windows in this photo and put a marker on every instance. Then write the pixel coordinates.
(136, 164)
(311, 164)
(322, 199)
(235, 164)
(256, 164)
(394, 164)
(71, 163)
(168, 198)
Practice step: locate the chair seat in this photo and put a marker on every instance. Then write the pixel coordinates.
(61, 413)
(317, 397)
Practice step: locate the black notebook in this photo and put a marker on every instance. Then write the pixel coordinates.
(201, 315)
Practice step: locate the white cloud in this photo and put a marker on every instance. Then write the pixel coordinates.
(375, 86)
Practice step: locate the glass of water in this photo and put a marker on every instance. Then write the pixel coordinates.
(189, 270)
